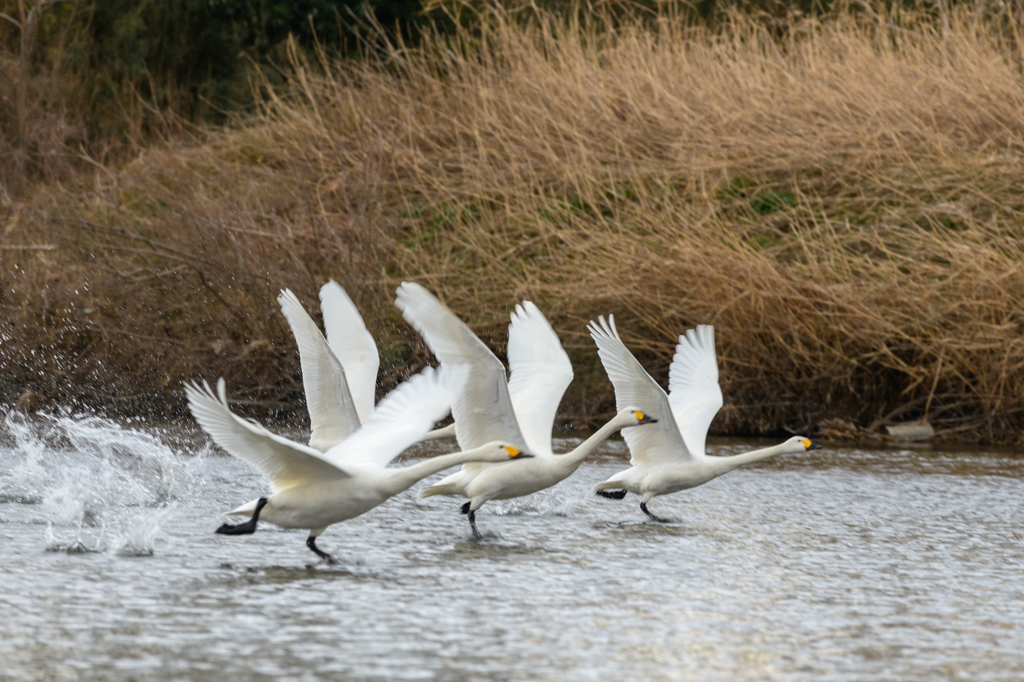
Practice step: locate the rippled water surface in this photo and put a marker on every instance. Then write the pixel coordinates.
(846, 563)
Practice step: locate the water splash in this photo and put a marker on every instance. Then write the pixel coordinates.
(25, 480)
(138, 534)
(89, 479)
(76, 546)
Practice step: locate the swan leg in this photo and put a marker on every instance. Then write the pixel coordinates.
(643, 506)
(247, 528)
(471, 513)
(612, 494)
(311, 543)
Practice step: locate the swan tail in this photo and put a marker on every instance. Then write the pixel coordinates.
(610, 484)
(440, 489)
(452, 485)
(245, 510)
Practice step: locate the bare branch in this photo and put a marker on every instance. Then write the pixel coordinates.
(11, 19)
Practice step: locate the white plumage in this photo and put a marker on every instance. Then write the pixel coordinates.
(485, 406)
(312, 490)
(353, 345)
(693, 390)
(339, 372)
(284, 463)
(541, 371)
(481, 404)
(332, 409)
(670, 456)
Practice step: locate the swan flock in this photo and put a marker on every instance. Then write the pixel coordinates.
(502, 423)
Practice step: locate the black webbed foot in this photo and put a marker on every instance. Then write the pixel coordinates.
(247, 528)
(466, 509)
(311, 543)
(472, 524)
(643, 506)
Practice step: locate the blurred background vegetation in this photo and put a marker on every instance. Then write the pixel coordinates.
(81, 78)
(836, 189)
(83, 81)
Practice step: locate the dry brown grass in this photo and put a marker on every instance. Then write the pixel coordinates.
(841, 202)
(38, 130)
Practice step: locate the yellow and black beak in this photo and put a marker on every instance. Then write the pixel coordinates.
(642, 418)
(808, 445)
(515, 453)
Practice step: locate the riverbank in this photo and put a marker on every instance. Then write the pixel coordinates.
(839, 197)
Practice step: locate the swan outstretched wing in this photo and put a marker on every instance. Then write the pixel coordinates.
(282, 461)
(353, 345)
(401, 419)
(541, 371)
(332, 412)
(634, 387)
(693, 390)
(480, 401)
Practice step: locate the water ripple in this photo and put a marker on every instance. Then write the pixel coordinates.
(858, 564)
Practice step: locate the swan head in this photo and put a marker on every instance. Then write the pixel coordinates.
(512, 452)
(632, 416)
(801, 444)
(498, 451)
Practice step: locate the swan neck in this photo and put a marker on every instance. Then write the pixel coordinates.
(405, 477)
(443, 432)
(735, 461)
(573, 459)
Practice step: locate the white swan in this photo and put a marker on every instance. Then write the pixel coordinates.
(312, 490)
(339, 373)
(486, 408)
(670, 457)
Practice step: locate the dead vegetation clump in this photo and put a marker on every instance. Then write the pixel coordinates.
(839, 197)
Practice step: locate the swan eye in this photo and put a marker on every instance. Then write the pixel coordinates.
(511, 450)
(806, 443)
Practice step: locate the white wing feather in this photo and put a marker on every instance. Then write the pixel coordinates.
(480, 401)
(332, 412)
(353, 345)
(400, 420)
(541, 371)
(693, 390)
(283, 462)
(634, 387)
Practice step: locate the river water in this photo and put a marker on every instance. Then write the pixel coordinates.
(847, 563)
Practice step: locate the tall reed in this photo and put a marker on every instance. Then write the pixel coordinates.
(838, 196)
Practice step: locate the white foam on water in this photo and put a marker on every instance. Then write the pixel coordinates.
(138, 534)
(91, 481)
(74, 503)
(23, 481)
(75, 546)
